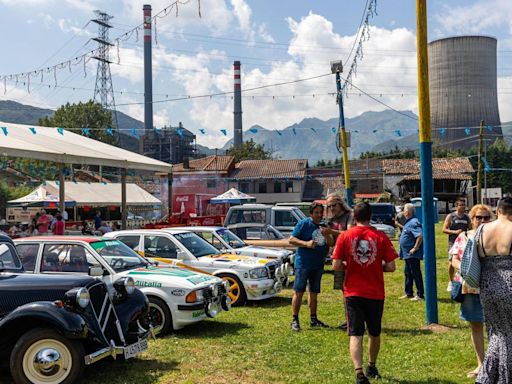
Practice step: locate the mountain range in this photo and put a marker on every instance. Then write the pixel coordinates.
(311, 139)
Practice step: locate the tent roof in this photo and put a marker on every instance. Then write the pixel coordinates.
(49, 145)
(233, 196)
(98, 194)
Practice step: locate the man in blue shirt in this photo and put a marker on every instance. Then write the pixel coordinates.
(312, 241)
(411, 250)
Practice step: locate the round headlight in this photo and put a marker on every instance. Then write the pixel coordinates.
(82, 297)
(199, 295)
(212, 310)
(226, 303)
(215, 290)
(226, 285)
(129, 285)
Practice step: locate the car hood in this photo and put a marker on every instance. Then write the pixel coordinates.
(226, 259)
(253, 250)
(168, 276)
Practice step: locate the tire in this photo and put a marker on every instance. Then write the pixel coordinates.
(25, 371)
(160, 316)
(236, 289)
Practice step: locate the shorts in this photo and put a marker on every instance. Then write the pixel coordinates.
(364, 313)
(303, 276)
(471, 309)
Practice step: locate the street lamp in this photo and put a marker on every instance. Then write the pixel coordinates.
(337, 68)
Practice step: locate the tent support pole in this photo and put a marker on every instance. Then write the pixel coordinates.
(124, 212)
(62, 198)
(169, 196)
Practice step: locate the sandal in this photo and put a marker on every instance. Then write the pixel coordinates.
(473, 374)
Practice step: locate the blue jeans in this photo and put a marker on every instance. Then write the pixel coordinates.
(412, 273)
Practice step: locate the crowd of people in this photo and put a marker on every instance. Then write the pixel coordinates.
(361, 255)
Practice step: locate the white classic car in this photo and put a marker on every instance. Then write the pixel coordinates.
(177, 297)
(249, 278)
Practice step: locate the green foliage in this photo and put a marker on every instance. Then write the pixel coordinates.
(82, 115)
(499, 157)
(249, 151)
(395, 153)
(10, 193)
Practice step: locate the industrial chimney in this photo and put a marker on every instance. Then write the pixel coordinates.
(463, 90)
(238, 106)
(148, 76)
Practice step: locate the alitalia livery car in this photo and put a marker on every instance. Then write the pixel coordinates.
(249, 278)
(177, 297)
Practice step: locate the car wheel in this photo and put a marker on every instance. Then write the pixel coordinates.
(43, 355)
(236, 289)
(160, 316)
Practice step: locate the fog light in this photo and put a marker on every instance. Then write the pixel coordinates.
(215, 290)
(212, 310)
(226, 303)
(278, 286)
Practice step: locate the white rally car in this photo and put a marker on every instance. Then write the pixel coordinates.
(249, 278)
(177, 297)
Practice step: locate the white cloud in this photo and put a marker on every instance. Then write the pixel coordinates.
(131, 66)
(243, 14)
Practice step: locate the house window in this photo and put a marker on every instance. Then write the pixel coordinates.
(288, 186)
(244, 187)
(374, 185)
(277, 187)
(211, 183)
(262, 188)
(353, 184)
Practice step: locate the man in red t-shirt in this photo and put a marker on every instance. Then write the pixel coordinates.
(365, 253)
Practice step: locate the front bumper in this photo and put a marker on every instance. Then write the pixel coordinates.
(262, 289)
(192, 313)
(127, 352)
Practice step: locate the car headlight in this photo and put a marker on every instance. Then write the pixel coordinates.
(82, 297)
(129, 285)
(215, 290)
(125, 285)
(226, 285)
(258, 273)
(195, 296)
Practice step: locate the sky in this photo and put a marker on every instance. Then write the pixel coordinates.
(276, 41)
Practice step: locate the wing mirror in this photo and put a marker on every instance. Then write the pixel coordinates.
(181, 255)
(96, 271)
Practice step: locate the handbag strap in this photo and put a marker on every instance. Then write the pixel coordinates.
(478, 239)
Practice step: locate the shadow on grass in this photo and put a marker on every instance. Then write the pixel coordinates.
(447, 300)
(141, 371)
(426, 381)
(274, 302)
(210, 329)
(409, 331)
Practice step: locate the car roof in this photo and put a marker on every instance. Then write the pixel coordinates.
(251, 206)
(200, 228)
(86, 239)
(172, 231)
(5, 239)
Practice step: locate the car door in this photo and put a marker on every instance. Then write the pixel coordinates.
(160, 247)
(67, 258)
(28, 255)
(132, 241)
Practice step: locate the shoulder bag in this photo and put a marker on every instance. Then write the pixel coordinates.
(470, 263)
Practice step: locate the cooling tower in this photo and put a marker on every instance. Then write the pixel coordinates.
(463, 90)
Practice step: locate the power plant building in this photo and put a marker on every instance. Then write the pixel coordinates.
(463, 90)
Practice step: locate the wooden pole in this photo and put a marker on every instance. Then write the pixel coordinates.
(479, 174)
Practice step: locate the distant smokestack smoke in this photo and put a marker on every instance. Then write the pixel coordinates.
(238, 106)
(148, 76)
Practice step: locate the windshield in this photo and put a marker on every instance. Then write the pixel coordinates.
(196, 244)
(382, 209)
(230, 238)
(118, 255)
(8, 258)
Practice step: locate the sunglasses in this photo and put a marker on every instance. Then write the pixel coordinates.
(484, 218)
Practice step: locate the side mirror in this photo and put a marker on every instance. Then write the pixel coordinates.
(181, 255)
(96, 271)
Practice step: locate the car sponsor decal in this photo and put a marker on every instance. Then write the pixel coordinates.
(147, 284)
(178, 292)
(188, 275)
(197, 279)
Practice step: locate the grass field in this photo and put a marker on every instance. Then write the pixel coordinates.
(254, 344)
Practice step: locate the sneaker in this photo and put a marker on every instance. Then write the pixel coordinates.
(295, 325)
(372, 372)
(405, 297)
(362, 379)
(449, 287)
(417, 298)
(343, 326)
(318, 323)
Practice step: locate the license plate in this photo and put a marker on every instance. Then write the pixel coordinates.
(136, 348)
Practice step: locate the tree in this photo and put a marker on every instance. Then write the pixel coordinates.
(11, 193)
(249, 151)
(83, 115)
(499, 157)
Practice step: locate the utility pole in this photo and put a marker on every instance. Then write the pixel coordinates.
(427, 193)
(479, 174)
(337, 68)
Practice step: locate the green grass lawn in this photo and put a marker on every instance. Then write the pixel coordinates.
(254, 344)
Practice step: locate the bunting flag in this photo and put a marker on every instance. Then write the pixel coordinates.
(110, 132)
(253, 130)
(333, 129)
(202, 130)
(180, 133)
(398, 133)
(86, 132)
(375, 130)
(279, 133)
(33, 130)
(61, 131)
(487, 167)
(313, 129)
(224, 132)
(157, 130)
(5, 131)
(442, 132)
(133, 131)
(467, 131)
(294, 131)
(489, 128)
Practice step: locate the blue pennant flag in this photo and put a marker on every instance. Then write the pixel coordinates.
(202, 130)
(467, 131)
(61, 131)
(333, 129)
(86, 131)
(489, 128)
(313, 129)
(487, 167)
(44, 183)
(253, 130)
(133, 131)
(33, 130)
(398, 133)
(375, 130)
(157, 130)
(179, 131)
(442, 132)
(66, 172)
(224, 132)
(110, 132)
(279, 133)
(294, 131)
(5, 131)
(57, 182)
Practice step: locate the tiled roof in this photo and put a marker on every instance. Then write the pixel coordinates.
(268, 169)
(458, 165)
(441, 176)
(320, 187)
(205, 164)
